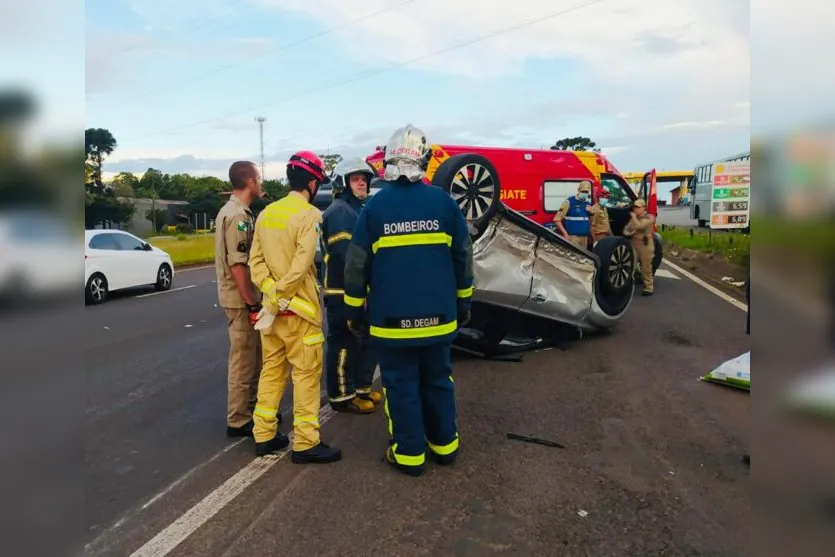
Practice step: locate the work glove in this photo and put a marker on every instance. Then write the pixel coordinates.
(359, 327)
(264, 320)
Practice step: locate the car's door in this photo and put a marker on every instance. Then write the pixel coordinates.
(620, 201)
(140, 265)
(107, 256)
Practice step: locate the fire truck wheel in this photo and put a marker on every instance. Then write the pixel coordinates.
(473, 182)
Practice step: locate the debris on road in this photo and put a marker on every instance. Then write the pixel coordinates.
(582, 514)
(732, 282)
(527, 439)
(187, 326)
(733, 373)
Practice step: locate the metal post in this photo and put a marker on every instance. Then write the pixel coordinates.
(260, 120)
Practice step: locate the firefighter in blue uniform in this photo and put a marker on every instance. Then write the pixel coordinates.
(572, 220)
(350, 361)
(408, 284)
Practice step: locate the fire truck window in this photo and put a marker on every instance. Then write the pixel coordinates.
(557, 192)
(617, 195)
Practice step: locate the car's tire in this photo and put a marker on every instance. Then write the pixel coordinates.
(96, 291)
(615, 278)
(473, 183)
(617, 264)
(164, 278)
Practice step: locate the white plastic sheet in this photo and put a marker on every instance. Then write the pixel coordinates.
(733, 373)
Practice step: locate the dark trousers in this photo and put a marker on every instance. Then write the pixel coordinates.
(349, 362)
(420, 401)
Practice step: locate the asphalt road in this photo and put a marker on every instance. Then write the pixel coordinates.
(651, 464)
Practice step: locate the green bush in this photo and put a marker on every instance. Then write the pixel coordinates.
(734, 247)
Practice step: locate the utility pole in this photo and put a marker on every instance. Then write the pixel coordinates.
(260, 120)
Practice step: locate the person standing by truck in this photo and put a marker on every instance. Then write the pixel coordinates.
(600, 225)
(639, 230)
(572, 220)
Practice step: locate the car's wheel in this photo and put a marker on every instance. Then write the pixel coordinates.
(95, 292)
(473, 183)
(615, 278)
(617, 264)
(164, 277)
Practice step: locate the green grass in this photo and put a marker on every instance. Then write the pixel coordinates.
(734, 247)
(188, 250)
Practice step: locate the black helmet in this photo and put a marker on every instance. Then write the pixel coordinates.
(341, 174)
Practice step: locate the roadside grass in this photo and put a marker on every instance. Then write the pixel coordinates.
(188, 250)
(734, 247)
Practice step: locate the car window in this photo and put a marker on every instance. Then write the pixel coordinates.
(618, 196)
(128, 243)
(104, 241)
(557, 192)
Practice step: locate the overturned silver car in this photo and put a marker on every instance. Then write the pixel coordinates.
(532, 287)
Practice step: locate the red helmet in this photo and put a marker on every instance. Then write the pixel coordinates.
(310, 161)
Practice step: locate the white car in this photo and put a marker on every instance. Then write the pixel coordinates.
(115, 259)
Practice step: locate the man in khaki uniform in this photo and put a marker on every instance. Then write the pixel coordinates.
(237, 295)
(282, 262)
(639, 230)
(572, 219)
(600, 225)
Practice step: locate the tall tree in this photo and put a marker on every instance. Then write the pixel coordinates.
(578, 143)
(98, 143)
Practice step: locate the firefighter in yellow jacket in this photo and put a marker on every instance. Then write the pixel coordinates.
(282, 264)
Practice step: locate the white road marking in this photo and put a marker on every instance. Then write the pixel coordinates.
(666, 274)
(167, 291)
(100, 539)
(179, 530)
(712, 289)
(195, 269)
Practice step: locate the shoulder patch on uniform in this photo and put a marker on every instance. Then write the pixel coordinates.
(243, 225)
(242, 247)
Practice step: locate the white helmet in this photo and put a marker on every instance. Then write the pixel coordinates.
(407, 154)
(342, 172)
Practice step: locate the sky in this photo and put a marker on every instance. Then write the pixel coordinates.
(656, 83)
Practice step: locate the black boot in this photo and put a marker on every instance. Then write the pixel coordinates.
(414, 471)
(241, 431)
(320, 454)
(275, 444)
(443, 459)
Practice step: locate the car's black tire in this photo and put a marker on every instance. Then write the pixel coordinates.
(473, 182)
(615, 279)
(617, 264)
(96, 291)
(164, 278)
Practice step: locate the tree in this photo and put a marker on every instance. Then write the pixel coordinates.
(98, 143)
(125, 184)
(578, 143)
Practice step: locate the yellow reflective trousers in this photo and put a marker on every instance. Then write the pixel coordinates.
(291, 341)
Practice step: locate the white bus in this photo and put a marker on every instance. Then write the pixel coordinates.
(702, 186)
